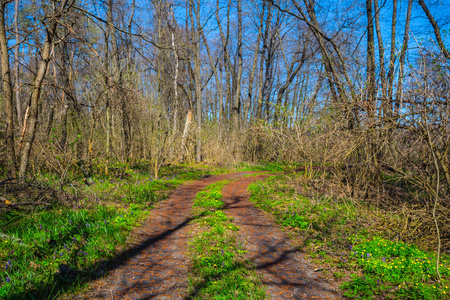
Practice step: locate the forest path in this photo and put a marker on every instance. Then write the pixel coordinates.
(285, 271)
(157, 265)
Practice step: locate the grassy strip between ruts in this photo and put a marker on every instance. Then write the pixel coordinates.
(374, 266)
(219, 270)
(55, 250)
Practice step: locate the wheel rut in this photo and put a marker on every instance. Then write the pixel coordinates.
(156, 264)
(285, 271)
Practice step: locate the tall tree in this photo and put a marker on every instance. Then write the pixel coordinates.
(401, 67)
(58, 12)
(237, 95)
(371, 83)
(392, 58)
(7, 93)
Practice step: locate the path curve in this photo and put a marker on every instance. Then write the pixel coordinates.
(285, 271)
(157, 264)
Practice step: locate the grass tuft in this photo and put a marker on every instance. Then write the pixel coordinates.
(219, 269)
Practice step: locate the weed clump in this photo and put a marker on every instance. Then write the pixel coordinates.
(219, 270)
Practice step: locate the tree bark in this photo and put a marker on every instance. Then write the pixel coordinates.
(16, 63)
(237, 96)
(381, 59)
(196, 26)
(37, 85)
(399, 94)
(7, 94)
(371, 84)
(391, 71)
(187, 124)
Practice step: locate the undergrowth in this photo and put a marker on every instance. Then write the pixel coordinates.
(344, 237)
(55, 249)
(219, 269)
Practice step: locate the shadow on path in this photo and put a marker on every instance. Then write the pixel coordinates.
(286, 273)
(153, 265)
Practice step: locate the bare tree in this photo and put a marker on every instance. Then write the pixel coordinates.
(58, 12)
(437, 31)
(7, 93)
(399, 94)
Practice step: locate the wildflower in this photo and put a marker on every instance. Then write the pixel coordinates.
(74, 239)
(368, 255)
(223, 264)
(54, 257)
(61, 254)
(105, 222)
(8, 279)
(378, 281)
(85, 253)
(384, 259)
(87, 225)
(351, 247)
(65, 246)
(70, 222)
(40, 226)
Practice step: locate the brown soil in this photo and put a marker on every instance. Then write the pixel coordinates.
(156, 263)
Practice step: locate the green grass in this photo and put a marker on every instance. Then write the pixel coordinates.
(219, 269)
(372, 262)
(65, 243)
(403, 270)
(58, 249)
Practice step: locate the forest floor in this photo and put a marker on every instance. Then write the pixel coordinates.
(158, 262)
(201, 232)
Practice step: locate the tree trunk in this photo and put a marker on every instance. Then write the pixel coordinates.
(175, 92)
(16, 63)
(7, 94)
(187, 124)
(37, 85)
(384, 106)
(237, 96)
(194, 8)
(255, 61)
(371, 84)
(226, 56)
(392, 58)
(399, 94)
(437, 31)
